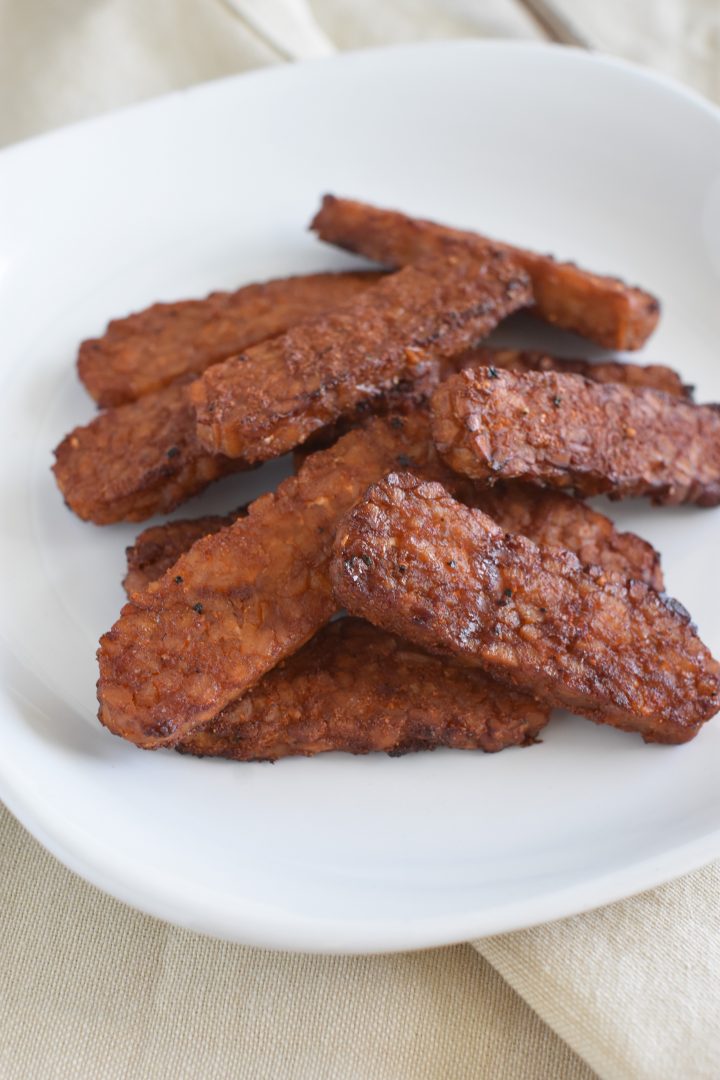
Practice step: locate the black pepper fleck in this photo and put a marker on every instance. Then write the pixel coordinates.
(402, 569)
(404, 460)
(396, 423)
(178, 580)
(493, 373)
(198, 607)
(366, 559)
(507, 592)
(173, 452)
(557, 402)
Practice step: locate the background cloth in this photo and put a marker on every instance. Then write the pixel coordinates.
(90, 988)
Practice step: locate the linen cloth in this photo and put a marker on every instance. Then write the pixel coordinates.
(90, 988)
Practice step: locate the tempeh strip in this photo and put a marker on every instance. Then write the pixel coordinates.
(158, 548)
(150, 349)
(604, 309)
(242, 600)
(412, 560)
(145, 458)
(547, 517)
(567, 432)
(137, 460)
(556, 520)
(357, 689)
(273, 397)
(351, 688)
(654, 376)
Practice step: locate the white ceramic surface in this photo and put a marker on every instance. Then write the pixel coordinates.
(558, 150)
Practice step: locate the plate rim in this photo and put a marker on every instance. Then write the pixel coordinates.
(248, 923)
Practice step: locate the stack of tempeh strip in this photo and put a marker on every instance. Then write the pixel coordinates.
(226, 648)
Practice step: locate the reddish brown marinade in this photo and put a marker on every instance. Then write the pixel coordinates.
(604, 309)
(146, 351)
(568, 432)
(274, 397)
(415, 562)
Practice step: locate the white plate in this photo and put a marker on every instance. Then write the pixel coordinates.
(558, 150)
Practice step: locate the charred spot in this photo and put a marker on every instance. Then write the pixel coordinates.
(676, 607)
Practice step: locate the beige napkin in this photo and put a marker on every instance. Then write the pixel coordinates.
(92, 990)
(89, 988)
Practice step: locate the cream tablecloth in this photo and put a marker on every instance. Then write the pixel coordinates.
(92, 989)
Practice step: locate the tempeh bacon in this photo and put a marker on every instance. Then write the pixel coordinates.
(275, 396)
(412, 560)
(150, 349)
(604, 309)
(565, 431)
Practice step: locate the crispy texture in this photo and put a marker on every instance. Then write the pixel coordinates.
(417, 563)
(556, 520)
(601, 308)
(568, 432)
(655, 376)
(152, 348)
(357, 689)
(144, 458)
(273, 397)
(546, 517)
(137, 460)
(158, 548)
(351, 688)
(247, 597)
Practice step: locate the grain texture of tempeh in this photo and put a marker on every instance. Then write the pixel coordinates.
(604, 309)
(245, 598)
(158, 548)
(352, 687)
(150, 349)
(415, 562)
(145, 458)
(273, 397)
(568, 432)
(654, 376)
(547, 517)
(137, 460)
(554, 519)
(356, 689)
